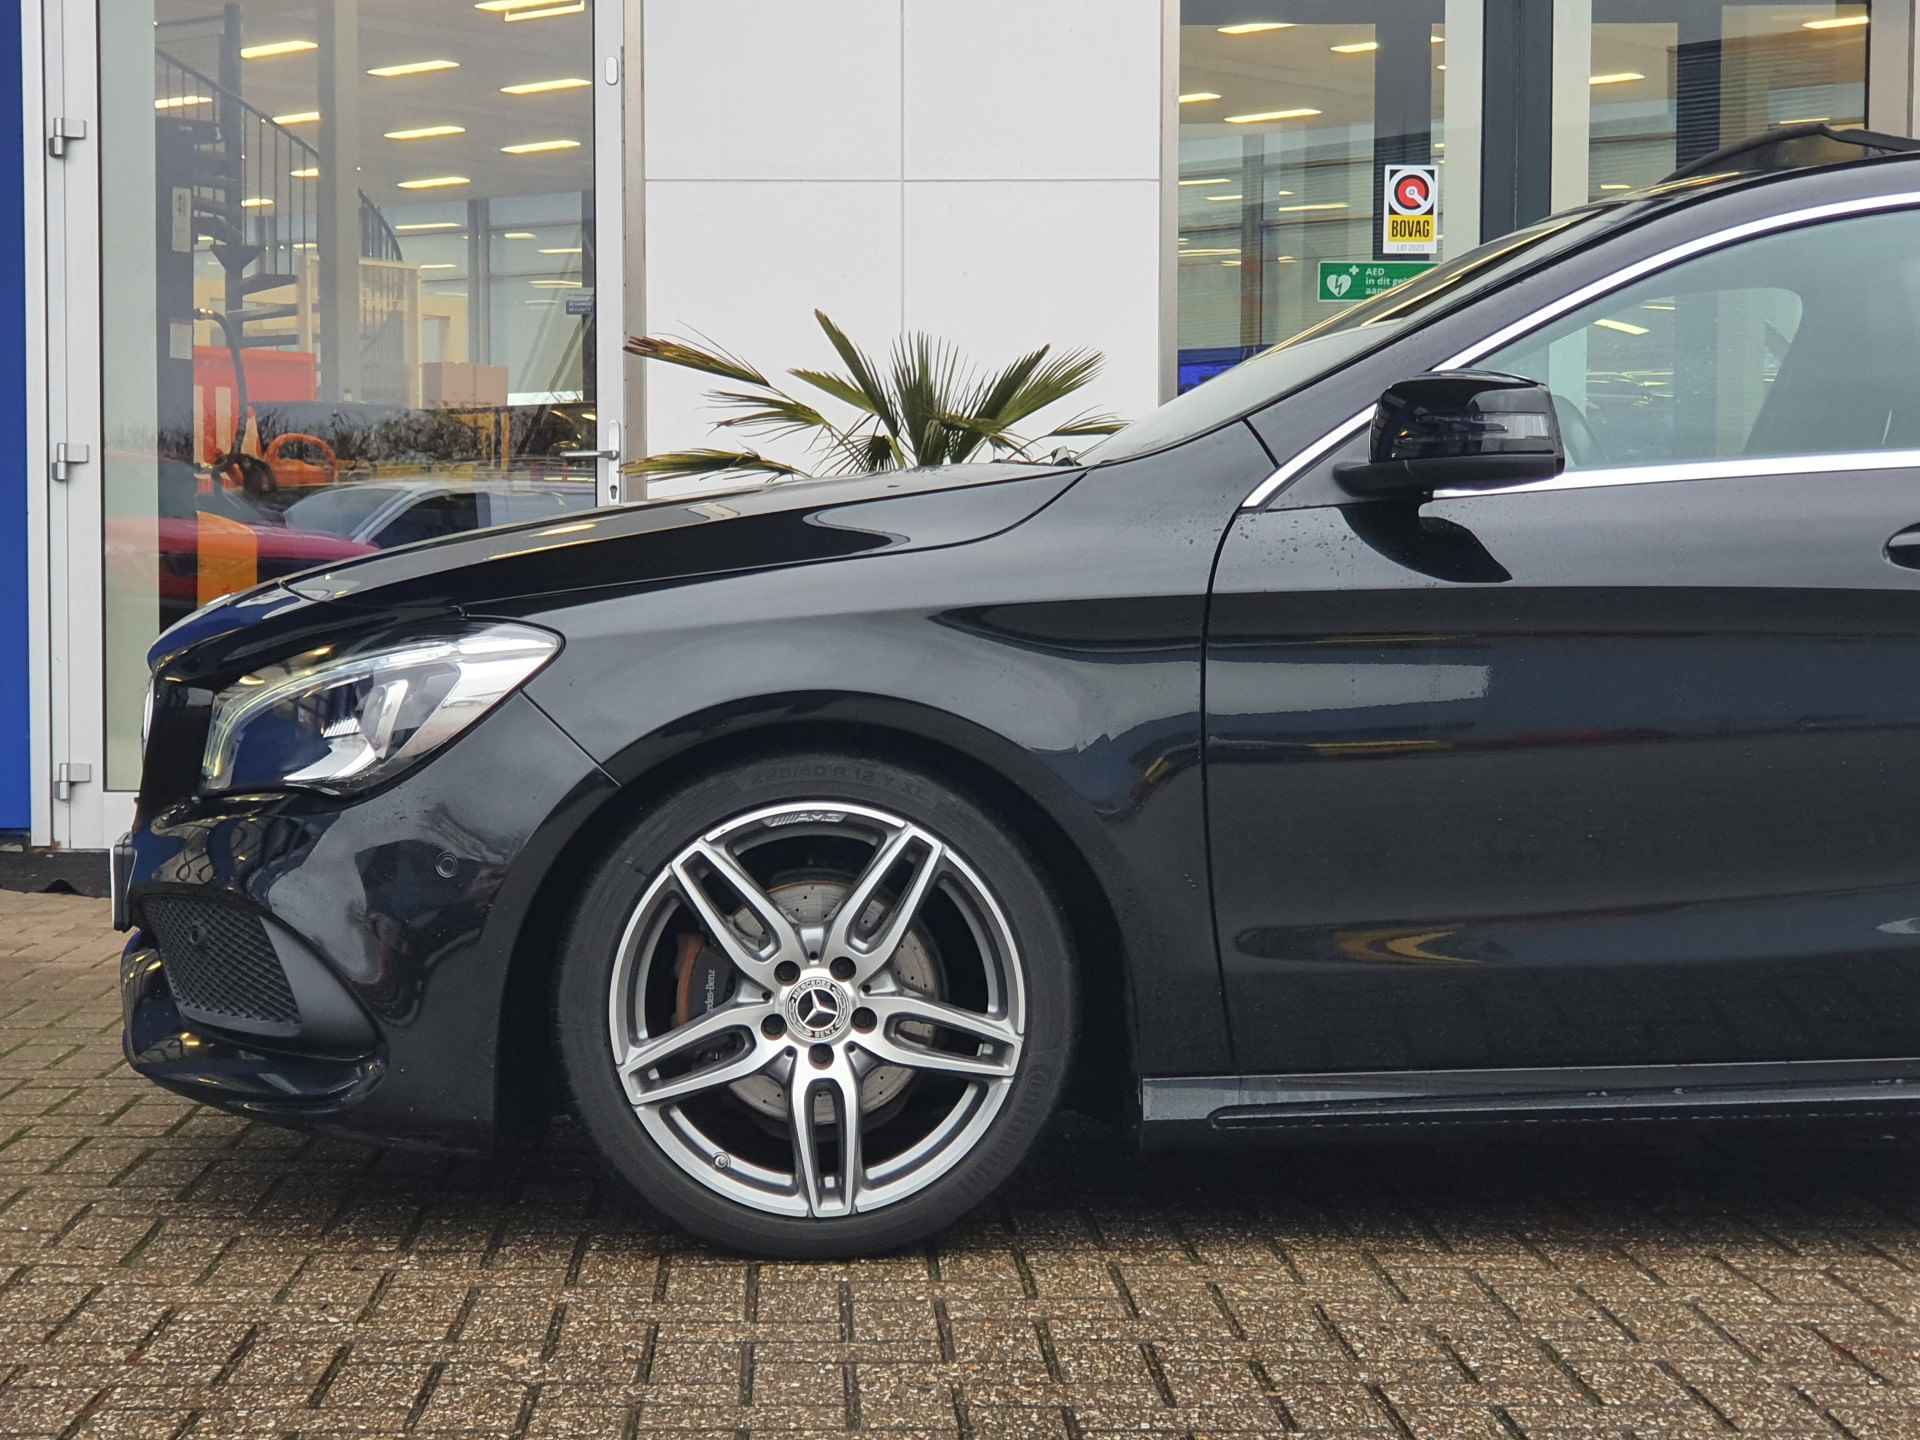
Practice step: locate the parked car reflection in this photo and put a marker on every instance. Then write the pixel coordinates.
(386, 514)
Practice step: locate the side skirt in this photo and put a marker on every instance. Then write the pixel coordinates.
(1187, 1108)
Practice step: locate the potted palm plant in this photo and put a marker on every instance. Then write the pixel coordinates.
(926, 406)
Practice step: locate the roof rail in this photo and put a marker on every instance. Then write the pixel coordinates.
(1796, 147)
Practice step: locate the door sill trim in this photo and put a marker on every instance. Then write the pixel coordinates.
(1253, 1102)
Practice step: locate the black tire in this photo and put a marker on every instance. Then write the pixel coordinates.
(589, 955)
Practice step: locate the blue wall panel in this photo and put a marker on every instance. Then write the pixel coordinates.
(16, 805)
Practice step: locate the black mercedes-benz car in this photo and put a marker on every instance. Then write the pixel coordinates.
(1500, 702)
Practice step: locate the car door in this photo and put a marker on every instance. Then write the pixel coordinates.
(1618, 768)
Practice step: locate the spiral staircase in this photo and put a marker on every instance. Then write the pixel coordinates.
(255, 195)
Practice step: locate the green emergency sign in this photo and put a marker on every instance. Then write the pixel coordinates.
(1344, 280)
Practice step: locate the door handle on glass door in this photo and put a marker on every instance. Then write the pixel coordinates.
(1904, 547)
(611, 451)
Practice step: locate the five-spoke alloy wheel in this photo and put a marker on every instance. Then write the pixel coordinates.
(834, 1006)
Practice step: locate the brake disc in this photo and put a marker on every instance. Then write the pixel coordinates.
(811, 902)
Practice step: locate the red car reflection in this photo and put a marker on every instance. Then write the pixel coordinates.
(205, 556)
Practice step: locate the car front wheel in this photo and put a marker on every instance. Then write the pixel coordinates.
(816, 1005)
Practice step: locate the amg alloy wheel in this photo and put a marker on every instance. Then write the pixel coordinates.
(818, 1013)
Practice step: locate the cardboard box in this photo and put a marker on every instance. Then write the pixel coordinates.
(445, 383)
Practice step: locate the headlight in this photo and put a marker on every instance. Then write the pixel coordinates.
(340, 722)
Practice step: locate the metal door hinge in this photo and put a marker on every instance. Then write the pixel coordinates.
(66, 456)
(61, 131)
(68, 774)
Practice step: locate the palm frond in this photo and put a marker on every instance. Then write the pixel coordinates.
(1087, 423)
(1047, 384)
(997, 392)
(880, 454)
(838, 386)
(769, 412)
(670, 351)
(862, 371)
(926, 384)
(710, 462)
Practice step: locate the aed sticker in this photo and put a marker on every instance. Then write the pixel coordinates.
(1411, 225)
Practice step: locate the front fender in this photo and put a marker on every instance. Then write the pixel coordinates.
(1062, 653)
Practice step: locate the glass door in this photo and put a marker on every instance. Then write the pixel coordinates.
(1290, 114)
(351, 264)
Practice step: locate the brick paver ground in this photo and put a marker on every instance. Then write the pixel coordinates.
(166, 1270)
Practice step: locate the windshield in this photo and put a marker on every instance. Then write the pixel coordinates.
(1343, 336)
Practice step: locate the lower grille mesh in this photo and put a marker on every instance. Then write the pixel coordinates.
(221, 964)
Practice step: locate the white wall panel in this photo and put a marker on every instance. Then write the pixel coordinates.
(1014, 89)
(999, 267)
(769, 89)
(747, 262)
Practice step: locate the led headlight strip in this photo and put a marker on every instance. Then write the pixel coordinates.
(414, 697)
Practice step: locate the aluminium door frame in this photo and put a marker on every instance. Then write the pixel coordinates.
(33, 128)
(65, 519)
(69, 713)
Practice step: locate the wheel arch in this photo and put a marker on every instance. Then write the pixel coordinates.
(1105, 1077)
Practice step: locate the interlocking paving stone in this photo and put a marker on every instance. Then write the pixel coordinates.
(166, 1270)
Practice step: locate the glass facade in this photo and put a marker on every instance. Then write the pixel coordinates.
(1287, 121)
(321, 278)
(1674, 80)
(1291, 111)
(347, 260)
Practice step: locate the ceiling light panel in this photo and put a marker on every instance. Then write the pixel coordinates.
(412, 67)
(1256, 27)
(1260, 117)
(427, 132)
(543, 87)
(539, 147)
(546, 12)
(276, 49)
(435, 182)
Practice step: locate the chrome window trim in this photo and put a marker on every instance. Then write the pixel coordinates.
(1593, 290)
(1744, 468)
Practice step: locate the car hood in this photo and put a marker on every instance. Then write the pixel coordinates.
(795, 522)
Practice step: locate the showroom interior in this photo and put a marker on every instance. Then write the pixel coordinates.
(304, 279)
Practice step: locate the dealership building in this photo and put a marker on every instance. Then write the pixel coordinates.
(297, 279)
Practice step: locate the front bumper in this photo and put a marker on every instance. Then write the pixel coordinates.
(392, 921)
(224, 1070)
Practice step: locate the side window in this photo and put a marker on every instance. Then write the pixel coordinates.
(1797, 343)
(433, 517)
(514, 506)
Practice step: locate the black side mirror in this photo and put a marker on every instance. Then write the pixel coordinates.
(1458, 429)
